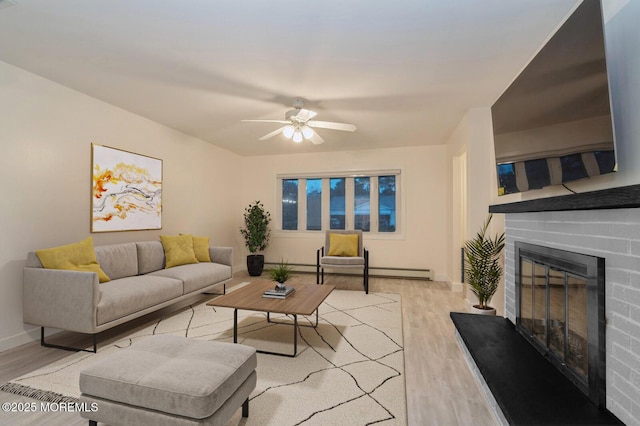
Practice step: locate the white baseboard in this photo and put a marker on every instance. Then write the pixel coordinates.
(425, 274)
(19, 339)
(457, 287)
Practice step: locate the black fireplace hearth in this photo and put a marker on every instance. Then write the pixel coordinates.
(526, 387)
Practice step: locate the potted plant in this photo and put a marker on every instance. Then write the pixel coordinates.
(281, 273)
(256, 236)
(482, 268)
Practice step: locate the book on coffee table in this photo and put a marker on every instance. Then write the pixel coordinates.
(277, 293)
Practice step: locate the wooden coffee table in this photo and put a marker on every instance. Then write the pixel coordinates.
(304, 301)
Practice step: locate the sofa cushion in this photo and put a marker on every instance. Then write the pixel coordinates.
(79, 256)
(171, 374)
(150, 256)
(196, 276)
(178, 250)
(118, 260)
(201, 248)
(124, 296)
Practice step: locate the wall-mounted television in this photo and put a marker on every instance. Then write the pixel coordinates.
(553, 124)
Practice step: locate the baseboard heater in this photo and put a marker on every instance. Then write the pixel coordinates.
(408, 273)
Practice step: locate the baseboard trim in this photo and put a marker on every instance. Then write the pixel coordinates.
(408, 273)
(23, 338)
(457, 287)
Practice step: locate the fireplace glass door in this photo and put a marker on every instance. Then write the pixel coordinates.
(553, 310)
(560, 311)
(577, 355)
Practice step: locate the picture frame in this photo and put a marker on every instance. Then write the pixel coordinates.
(126, 190)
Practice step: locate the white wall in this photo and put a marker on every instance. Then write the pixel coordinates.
(423, 185)
(474, 138)
(456, 229)
(46, 131)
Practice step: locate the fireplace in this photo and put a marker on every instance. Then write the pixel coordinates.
(560, 311)
(605, 224)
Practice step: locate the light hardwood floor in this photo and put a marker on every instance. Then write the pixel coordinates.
(440, 387)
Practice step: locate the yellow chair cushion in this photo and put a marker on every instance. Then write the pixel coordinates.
(201, 248)
(343, 245)
(73, 257)
(178, 250)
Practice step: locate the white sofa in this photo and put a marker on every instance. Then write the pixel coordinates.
(140, 284)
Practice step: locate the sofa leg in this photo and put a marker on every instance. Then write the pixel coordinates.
(245, 408)
(68, 348)
(318, 267)
(366, 271)
(366, 281)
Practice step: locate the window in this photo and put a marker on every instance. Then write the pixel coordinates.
(538, 174)
(314, 204)
(606, 161)
(507, 179)
(290, 204)
(387, 204)
(572, 167)
(337, 203)
(362, 203)
(367, 201)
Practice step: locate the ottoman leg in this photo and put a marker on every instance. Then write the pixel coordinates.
(245, 408)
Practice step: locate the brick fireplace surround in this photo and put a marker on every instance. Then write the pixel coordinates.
(606, 224)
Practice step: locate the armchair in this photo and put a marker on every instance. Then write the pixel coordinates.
(343, 249)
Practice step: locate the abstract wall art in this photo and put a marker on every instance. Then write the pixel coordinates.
(126, 190)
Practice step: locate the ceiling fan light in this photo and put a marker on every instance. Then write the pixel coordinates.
(307, 131)
(288, 131)
(297, 136)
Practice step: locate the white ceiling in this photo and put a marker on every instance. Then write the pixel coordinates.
(404, 71)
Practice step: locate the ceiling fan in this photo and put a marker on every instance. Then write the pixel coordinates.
(298, 125)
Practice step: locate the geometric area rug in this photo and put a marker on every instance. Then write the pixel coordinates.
(348, 371)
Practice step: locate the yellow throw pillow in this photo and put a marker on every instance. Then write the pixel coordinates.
(201, 248)
(178, 250)
(73, 257)
(343, 245)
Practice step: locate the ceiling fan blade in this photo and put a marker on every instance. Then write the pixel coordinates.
(333, 126)
(269, 121)
(272, 134)
(315, 139)
(304, 115)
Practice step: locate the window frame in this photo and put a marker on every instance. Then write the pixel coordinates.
(349, 202)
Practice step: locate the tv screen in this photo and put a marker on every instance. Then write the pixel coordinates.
(553, 124)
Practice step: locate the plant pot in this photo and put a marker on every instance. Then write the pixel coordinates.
(255, 264)
(281, 286)
(475, 310)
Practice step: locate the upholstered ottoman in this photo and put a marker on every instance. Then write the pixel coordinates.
(170, 380)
